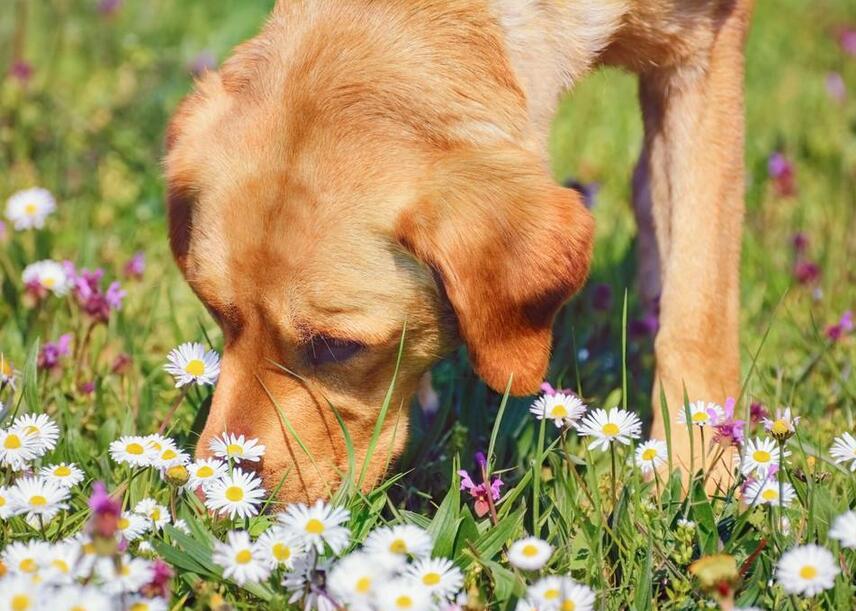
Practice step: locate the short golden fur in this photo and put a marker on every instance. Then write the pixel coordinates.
(362, 165)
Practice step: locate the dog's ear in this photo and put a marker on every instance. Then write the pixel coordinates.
(510, 246)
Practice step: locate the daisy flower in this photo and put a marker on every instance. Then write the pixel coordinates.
(238, 494)
(21, 594)
(157, 442)
(8, 373)
(651, 455)
(64, 474)
(157, 514)
(190, 363)
(132, 450)
(205, 471)
(806, 570)
(41, 427)
(141, 603)
(168, 457)
(402, 595)
(844, 529)
(240, 558)
(79, 598)
(560, 593)
(17, 449)
(25, 558)
(47, 276)
(40, 499)
(354, 579)
(766, 492)
(393, 546)
(302, 583)
(701, 413)
(130, 575)
(6, 507)
(60, 559)
(181, 525)
(530, 553)
(236, 447)
(29, 208)
(759, 455)
(844, 449)
(616, 425)
(563, 409)
(783, 426)
(438, 575)
(319, 524)
(279, 547)
(134, 525)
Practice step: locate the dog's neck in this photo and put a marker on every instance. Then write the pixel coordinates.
(551, 44)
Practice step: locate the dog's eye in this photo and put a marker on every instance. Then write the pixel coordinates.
(331, 350)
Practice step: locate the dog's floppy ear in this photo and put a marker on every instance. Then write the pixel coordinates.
(510, 246)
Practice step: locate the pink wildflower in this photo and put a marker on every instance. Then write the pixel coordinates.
(135, 267)
(781, 171)
(482, 493)
(844, 326)
(727, 430)
(52, 352)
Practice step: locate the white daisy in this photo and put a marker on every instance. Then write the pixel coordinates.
(134, 525)
(530, 553)
(41, 427)
(170, 457)
(181, 525)
(204, 471)
(402, 595)
(562, 409)
(300, 583)
(29, 208)
(128, 576)
(241, 559)
(236, 447)
(157, 514)
(843, 450)
(6, 507)
(59, 562)
(132, 450)
(844, 529)
(783, 425)
(141, 603)
(157, 442)
(767, 492)
(279, 547)
(393, 546)
(25, 558)
(354, 579)
(190, 363)
(560, 593)
(806, 570)
(759, 455)
(318, 525)
(49, 276)
(438, 575)
(22, 594)
(701, 413)
(64, 474)
(8, 373)
(651, 455)
(79, 598)
(616, 425)
(237, 494)
(144, 547)
(40, 499)
(17, 449)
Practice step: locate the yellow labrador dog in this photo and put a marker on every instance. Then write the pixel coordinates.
(362, 164)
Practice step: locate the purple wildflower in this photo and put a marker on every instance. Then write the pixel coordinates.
(109, 7)
(841, 328)
(806, 272)
(122, 363)
(481, 491)
(835, 87)
(105, 512)
(52, 352)
(97, 304)
(757, 412)
(86, 388)
(647, 326)
(158, 587)
(136, 266)
(781, 171)
(21, 70)
(847, 40)
(727, 430)
(800, 242)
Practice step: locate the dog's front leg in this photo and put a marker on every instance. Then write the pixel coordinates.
(689, 190)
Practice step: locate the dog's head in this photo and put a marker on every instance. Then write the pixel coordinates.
(342, 179)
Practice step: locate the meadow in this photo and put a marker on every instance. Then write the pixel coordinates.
(97, 503)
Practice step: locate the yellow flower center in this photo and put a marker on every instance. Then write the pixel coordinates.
(124, 523)
(31, 430)
(88, 548)
(155, 445)
(530, 550)
(281, 552)
(20, 602)
(30, 208)
(769, 494)
(559, 411)
(552, 594)
(364, 584)
(178, 472)
(780, 427)
(124, 571)
(649, 454)
(5, 368)
(761, 456)
(48, 282)
(314, 527)
(62, 471)
(37, 500)
(398, 547)
(169, 454)
(155, 515)
(134, 448)
(60, 565)
(404, 602)
(431, 579)
(28, 565)
(808, 572)
(233, 449)
(195, 368)
(701, 416)
(234, 493)
(2, 501)
(568, 605)
(12, 442)
(244, 556)
(610, 429)
(204, 471)
(138, 606)
(79, 608)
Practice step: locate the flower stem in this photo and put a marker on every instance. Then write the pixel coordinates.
(184, 390)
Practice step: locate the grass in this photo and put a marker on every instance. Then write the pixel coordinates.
(88, 126)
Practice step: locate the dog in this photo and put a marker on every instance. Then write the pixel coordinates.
(367, 170)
